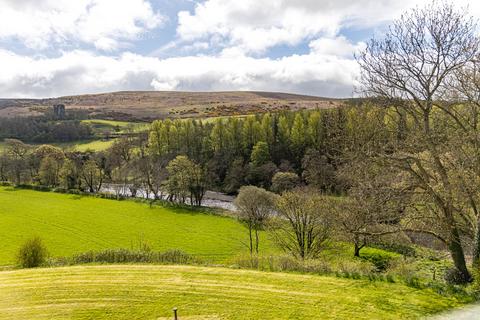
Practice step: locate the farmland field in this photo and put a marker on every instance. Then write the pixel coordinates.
(82, 146)
(150, 292)
(100, 125)
(72, 224)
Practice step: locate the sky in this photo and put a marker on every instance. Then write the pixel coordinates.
(51, 48)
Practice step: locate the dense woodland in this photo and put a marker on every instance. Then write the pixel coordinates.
(47, 128)
(230, 152)
(43, 129)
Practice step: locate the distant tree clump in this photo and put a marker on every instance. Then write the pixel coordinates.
(284, 181)
(186, 179)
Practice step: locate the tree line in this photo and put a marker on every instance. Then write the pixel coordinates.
(277, 150)
(42, 129)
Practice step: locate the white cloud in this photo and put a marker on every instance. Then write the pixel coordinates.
(338, 46)
(106, 24)
(217, 48)
(79, 72)
(255, 26)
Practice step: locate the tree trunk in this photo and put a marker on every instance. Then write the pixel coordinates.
(256, 241)
(358, 246)
(476, 248)
(251, 238)
(357, 250)
(458, 256)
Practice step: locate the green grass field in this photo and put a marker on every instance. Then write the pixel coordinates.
(100, 125)
(150, 292)
(83, 145)
(71, 224)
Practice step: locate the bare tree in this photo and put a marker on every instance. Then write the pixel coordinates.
(465, 88)
(410, 68)
(375, 204)
(255, 206)
(304, 223)
(93, 175)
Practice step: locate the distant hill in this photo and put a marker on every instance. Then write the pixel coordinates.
(149, 105)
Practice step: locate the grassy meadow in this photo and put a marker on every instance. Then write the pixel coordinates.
(101, 128)
(71, 224)
(150, 292)
(100, 125)
(82, 145)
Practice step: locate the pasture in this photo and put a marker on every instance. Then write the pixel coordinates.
(71, 224)
(81, 146)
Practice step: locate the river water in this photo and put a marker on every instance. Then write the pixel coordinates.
(212, 199)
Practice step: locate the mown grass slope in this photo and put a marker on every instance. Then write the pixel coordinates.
(150, 292)
(71, 224)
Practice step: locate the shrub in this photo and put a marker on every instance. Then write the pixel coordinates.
(403, 249)
(34, 187)
(32, 253)
(454, 276)
(413, 282)
(476, 281)
(380, 259)
(354, 267)
(284, 181)
(401, 268)
(175, 256)
(390, 278)
(133, 256)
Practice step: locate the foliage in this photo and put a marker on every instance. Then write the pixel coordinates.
(454, 276)
(186, 179)
(72, 223)
(431, 50)
(131, 256)
(285, 181)
(42, 129)
(373, 208)
(318, 172)
(379, 258)
(32, 253)
(260, 154)
(255, 206)
(304, 223)
(93, 175)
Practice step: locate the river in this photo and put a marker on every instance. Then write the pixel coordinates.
(212, 199)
